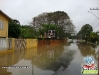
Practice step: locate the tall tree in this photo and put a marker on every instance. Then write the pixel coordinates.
(14, 30)
(93, 37)
(16, 21)
(85, 32)
(59, 18)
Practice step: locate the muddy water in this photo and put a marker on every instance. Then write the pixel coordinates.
(64, 59)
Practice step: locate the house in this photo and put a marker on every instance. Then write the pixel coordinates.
(4, 19)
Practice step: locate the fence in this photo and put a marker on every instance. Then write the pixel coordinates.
(17, 44)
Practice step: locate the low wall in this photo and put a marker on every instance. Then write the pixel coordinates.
(6, 45)
(3, 44)
(31, 43)
(42, 42)
(22, 44)
(11, 44)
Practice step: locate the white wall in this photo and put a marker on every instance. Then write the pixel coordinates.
(3, 44)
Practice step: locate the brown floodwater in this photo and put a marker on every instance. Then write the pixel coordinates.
(63, 59)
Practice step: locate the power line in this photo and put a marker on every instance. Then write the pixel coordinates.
(96, 17)
(93, 14)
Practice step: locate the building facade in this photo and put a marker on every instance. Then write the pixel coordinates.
(4, 19)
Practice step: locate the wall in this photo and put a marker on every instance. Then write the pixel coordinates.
(4, 32)
(31, 43)
(42, 42)
(3, 44)
(8, 44)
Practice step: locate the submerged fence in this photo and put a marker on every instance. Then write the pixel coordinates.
(22, 44)
(17, 44)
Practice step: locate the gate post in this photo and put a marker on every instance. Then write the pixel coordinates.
(13, 43)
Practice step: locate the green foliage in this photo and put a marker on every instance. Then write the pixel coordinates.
(46, 27)
(98, 37)
(59, 32)
(16, 21)
(58, 21)
(56, 16)
(14, 30)
(93, 37)
(85, 32)
(27, 32)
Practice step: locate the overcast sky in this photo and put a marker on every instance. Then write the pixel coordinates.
(25, 10)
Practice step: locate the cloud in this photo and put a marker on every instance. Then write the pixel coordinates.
(25, 10)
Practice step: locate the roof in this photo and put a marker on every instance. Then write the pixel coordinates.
(5, 15)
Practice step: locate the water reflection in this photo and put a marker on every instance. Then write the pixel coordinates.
(5, 61)
(18, 58)
(47, 60)
(89, 50)
(86, 50)
(53, 59)
(50, 53)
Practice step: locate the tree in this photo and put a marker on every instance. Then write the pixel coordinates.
(14, 30)
(85, 32)
(46, 27)
(59, 32)
(58, 18)
(27, 32)
(16, 21)
(93, 37)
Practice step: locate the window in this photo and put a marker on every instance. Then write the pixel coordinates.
(1, 25)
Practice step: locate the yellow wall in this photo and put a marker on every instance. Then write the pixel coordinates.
(31, 43)
(4, 32)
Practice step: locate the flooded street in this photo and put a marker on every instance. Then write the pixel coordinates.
(64, 59)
